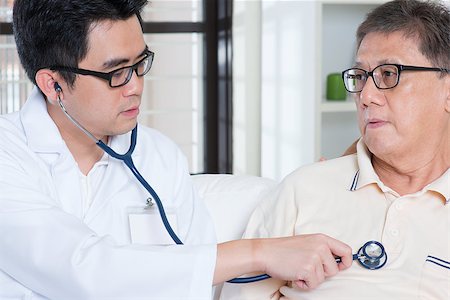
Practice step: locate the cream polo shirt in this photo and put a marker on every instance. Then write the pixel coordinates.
(344, 198)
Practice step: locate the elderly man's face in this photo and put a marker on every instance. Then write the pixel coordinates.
(410, 116)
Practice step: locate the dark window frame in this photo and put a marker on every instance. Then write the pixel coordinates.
(217, 30)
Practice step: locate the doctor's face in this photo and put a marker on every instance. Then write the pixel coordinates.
(411, 117)
(101, 109)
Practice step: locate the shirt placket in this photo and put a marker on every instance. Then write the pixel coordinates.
(393, 232)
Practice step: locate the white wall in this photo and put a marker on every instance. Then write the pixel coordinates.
(247, 87)
(288, 86)
(282, 137)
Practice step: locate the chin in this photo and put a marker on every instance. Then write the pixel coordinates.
(124, 131)
(119, 130)
(379, 146)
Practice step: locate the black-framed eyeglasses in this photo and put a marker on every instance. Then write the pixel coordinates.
(118, 77)
(385, 76)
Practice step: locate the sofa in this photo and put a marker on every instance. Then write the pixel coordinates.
(230, 200)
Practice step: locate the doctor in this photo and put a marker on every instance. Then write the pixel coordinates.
(69, 213)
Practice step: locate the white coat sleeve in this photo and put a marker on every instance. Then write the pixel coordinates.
(55, 254)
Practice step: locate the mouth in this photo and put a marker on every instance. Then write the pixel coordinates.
(131, 112)
(375, 123)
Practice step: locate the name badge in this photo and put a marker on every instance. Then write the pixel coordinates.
(146, 226)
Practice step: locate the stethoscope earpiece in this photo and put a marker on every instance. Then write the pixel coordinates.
(57, 87)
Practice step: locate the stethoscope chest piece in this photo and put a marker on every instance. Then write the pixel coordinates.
(372, 255)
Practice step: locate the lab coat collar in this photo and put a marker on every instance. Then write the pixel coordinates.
(42, 133)
(366, 175)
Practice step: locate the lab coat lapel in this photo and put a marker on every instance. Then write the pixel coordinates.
(118, 179)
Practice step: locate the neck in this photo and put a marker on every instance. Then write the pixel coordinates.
(83, 149)
(411, 172)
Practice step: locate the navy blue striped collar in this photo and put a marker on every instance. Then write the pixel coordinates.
(354, 182)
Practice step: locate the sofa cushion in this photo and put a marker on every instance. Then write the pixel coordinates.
(231, 199)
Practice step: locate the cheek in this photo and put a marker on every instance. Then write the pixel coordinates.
(418, 113)
(95, 100)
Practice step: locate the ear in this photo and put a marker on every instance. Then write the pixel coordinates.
(45, 80)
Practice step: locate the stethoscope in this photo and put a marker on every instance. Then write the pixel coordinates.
(371, 255)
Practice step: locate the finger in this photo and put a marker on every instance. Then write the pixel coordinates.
(308, 278)
(343, 251)
(313, 276)
(308, 283)
(329, 265)
(320, 274)
(301, 285)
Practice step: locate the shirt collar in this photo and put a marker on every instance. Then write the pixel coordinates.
(366, 175)
(442, 186)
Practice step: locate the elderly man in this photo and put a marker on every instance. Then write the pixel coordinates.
(396, 188)
(74, 220)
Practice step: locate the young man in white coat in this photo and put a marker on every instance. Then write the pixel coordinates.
(67, 208)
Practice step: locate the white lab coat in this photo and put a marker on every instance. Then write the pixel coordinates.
(49, 249)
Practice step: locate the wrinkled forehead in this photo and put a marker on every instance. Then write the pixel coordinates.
(397, 47)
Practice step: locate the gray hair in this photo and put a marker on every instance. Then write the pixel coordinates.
(428, 21)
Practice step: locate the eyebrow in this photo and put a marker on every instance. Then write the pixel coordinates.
(381, 62)
(118, 61)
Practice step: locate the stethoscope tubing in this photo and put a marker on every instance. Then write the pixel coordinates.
(127, 159)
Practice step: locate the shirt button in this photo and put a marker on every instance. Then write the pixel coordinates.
(394, 232)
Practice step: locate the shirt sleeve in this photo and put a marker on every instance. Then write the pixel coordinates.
(57, 255)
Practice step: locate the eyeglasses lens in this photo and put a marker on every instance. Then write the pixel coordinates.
(355, 80)
(386, 76)
(123, 76)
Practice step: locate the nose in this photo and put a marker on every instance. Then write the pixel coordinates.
(135, 84)
(370, 94)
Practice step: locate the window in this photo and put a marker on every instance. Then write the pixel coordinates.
(173, 96)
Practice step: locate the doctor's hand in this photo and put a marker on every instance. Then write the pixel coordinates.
(305, 260)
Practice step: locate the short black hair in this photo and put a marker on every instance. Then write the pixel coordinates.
(55, 32)
(428, 21)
